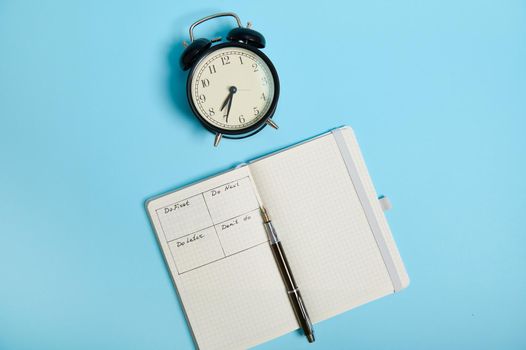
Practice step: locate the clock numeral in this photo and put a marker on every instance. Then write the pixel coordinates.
(241, 118)
(240, 60)
(256, 111)
(264, 80)
(202, 98)
(225, 60)
(205, 82)
(226, 117)
(211, 111)
(255, 66)
(263, 97)
(212, 69)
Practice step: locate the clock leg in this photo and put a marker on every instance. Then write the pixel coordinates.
(217, 139)
(272, 124)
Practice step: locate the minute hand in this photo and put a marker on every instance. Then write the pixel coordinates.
(227, 101)
(229, 105)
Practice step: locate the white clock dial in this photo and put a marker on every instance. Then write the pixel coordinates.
(232, 88)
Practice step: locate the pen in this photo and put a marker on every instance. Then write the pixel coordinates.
(286, 274)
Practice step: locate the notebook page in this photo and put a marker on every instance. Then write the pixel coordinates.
(323, 227)
(215, 245)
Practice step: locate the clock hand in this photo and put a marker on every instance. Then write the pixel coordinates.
(227, 100)
(229, 105)
(230, 97)
(232, 90)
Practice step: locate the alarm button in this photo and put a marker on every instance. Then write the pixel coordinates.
(193, 52)
(246, 35)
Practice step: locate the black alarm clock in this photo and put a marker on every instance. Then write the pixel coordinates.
(232, 87)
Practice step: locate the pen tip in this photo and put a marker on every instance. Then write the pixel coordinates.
(264, 214)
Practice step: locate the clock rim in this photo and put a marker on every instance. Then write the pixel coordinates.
(237, 133)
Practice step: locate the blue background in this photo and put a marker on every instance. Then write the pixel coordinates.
(93, 121)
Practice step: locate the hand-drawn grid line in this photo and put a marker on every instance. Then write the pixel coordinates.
(225, 256)
(215, 229)
(168, 247)
(213, 224)
(208, 263)
(200, 193)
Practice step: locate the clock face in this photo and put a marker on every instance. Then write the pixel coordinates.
(232, 88)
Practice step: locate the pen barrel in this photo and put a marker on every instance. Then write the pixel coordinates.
(293, 291)
(283, 265)
(301, 314)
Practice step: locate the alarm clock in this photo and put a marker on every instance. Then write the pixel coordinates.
(232, 87)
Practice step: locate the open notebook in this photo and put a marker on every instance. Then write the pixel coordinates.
(325, 209)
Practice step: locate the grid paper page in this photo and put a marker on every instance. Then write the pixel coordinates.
(323, 227)
(215, 245)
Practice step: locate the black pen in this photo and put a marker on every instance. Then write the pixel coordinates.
(288, 279)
